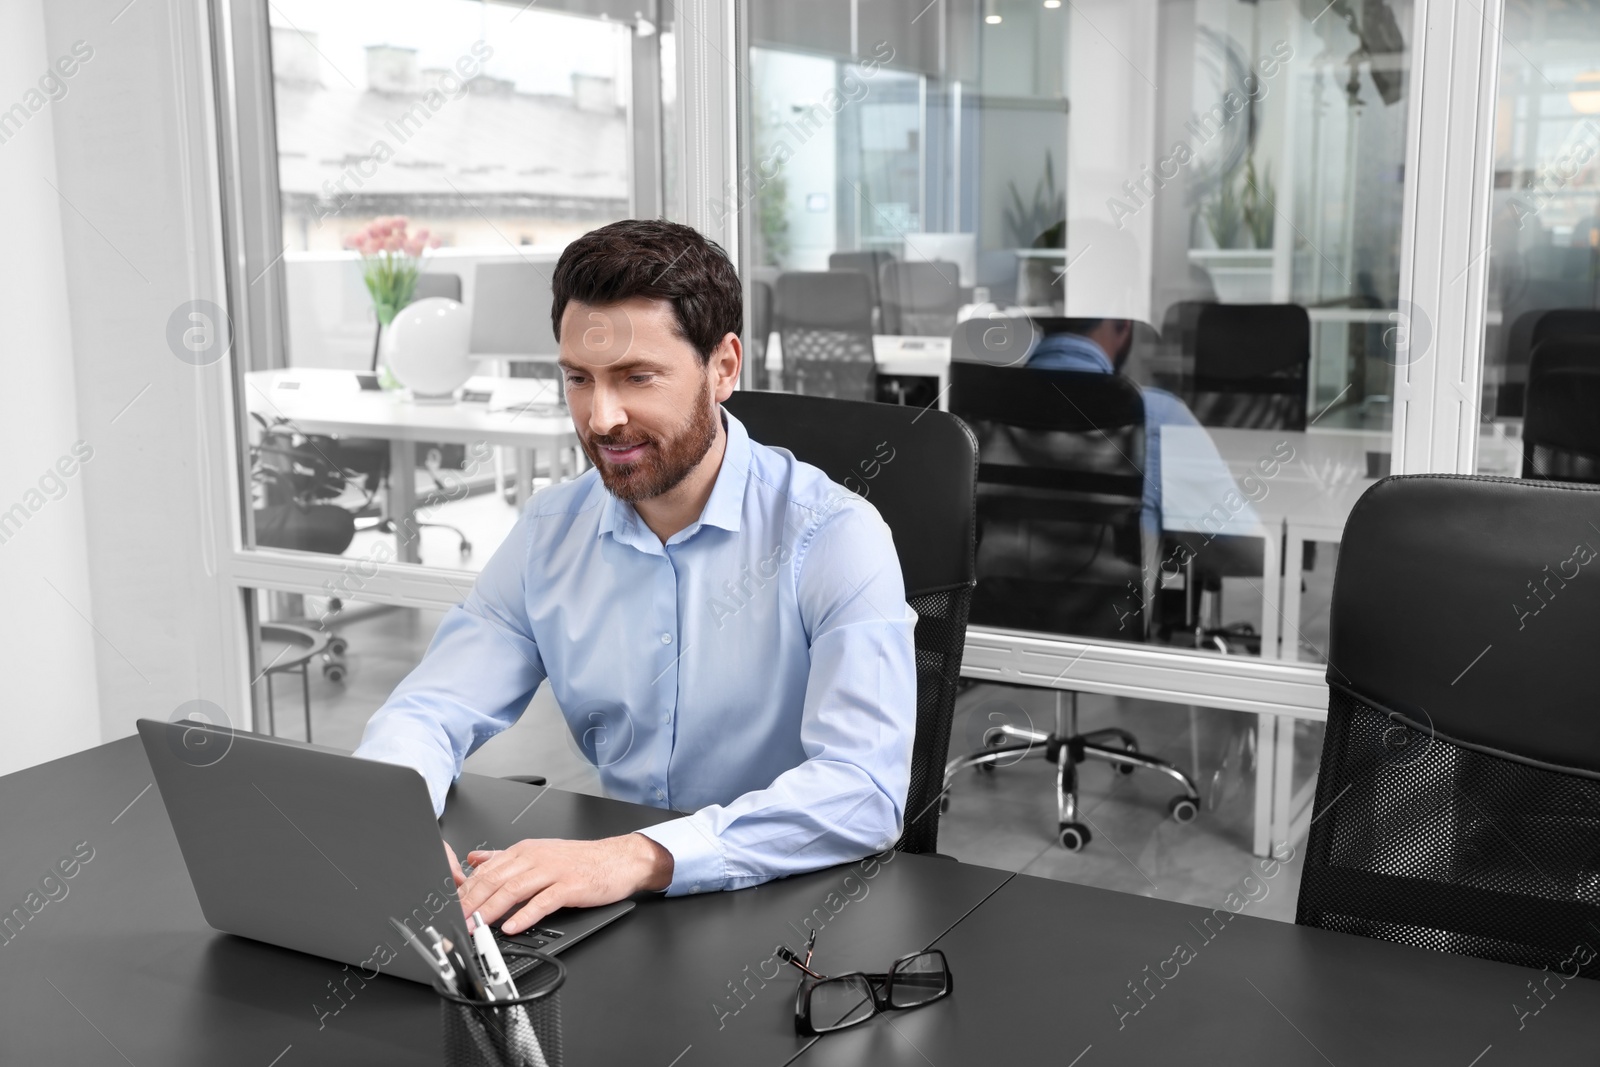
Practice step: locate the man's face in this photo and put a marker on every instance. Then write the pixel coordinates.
(641, 401)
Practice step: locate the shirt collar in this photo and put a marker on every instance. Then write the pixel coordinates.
(1075, 344)
(723, 507)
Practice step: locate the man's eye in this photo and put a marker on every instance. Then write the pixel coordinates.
(639, 378)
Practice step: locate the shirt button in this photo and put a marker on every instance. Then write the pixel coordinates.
(666, 639)
(666, 720)
(660, 795)
(694, 889)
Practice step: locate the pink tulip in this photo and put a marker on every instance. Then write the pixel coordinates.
(414, 247)
(351, 240)
(422, 233)
(394, 244)
(433, 242)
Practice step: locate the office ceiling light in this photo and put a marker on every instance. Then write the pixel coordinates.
(991, 12)
(1586, 101)
(1052, 4)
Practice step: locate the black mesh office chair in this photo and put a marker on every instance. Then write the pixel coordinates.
(920, 299)
(1528, 331)
(1251, 364)
(1060, 547)
(824, 322)
(1561, 424)
(869, 263)
(925, 494)
(1458, 807)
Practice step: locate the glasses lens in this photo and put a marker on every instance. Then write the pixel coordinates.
(919, 980)
(840, 1002)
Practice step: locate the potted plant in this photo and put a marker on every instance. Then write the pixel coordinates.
(391, 259)
(1241, 224)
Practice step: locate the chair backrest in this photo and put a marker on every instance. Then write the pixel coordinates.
(869, 263)
(1561, 420)
(438, 283)
(925, 494)
(920, 299)
(1251, 363)
(1528, 330)
(1061, 457)
(824, 321)
(760, 321)
(1458, 805)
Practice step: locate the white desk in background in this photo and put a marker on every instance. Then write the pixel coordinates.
(927, 357)
(333, 402)
(1306, 498)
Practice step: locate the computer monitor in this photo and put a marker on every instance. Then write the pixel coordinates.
(511, 311)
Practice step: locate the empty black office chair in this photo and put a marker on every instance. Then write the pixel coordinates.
(1251, 364)
(925, 493)
(1561, 424)
(824, 322)
(1060, 547)
(760, 332)
(920, 299)
(871, 264)
(1458, 807)
(1528, 331)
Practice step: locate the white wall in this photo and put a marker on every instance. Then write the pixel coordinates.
(139, 224)
(47, 649)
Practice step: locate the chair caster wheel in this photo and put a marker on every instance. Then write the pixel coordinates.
(986, 768)
(337, 646)
(1126, 768)
(944, 803)
(1183, 809)
(466, 549)
(333, 672)
(1074, 836)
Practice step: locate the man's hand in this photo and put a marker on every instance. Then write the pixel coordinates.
(552, 874)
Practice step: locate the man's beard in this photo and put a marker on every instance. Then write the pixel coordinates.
(665, 463)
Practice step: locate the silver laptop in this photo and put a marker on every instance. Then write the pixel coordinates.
(310, 848)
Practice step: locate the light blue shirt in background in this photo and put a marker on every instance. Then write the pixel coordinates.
(757, 670)
(1074, 352)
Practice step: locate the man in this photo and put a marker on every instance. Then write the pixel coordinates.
(724, 628)
(1101, 346)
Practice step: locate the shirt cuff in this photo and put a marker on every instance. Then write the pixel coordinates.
(438, 778)
(697, 862)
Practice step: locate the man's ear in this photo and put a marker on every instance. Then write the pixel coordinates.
(726, 360)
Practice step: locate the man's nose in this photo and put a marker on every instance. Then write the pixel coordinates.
(607, 414)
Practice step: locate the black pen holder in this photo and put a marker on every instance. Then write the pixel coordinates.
(524, 1031)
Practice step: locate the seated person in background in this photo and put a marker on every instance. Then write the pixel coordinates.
(1101, 346)
(725, 629)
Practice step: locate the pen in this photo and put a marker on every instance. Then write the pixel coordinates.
(496, 977)
(444, 977)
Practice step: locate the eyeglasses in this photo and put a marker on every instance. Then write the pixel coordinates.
(826, 1003)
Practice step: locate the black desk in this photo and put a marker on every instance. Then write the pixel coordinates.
(1042, 972)
(124, 969)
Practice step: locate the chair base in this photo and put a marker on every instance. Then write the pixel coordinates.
(1066, 748)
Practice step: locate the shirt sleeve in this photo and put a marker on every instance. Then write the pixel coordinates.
(1208, 485)
(847, 799)
(475, 680)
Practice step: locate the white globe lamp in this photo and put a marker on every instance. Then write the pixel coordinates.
(426, 348)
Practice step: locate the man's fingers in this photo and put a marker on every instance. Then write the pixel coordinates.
(542, 904)
(455, 865)
(496, 890)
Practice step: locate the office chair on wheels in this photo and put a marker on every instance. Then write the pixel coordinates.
(1561, 421)
(918, 469)
(1458, 807)
(1060, 547)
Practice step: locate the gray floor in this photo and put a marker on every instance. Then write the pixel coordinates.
(1004, 819)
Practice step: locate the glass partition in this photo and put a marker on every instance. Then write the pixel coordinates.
(1540, 409)
(431, 158)
(1199, 202)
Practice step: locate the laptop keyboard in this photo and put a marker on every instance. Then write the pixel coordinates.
(539, 938)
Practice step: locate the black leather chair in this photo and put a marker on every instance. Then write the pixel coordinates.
(824, 321)
(1060, 547)
(1458, 805)
(925, 493)
(1561, 423)
(1251, 365)
(1528, 331)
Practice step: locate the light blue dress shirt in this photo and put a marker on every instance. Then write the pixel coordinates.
(757, 670)
(1074, 352)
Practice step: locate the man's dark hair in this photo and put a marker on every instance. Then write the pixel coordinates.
(653, 258)
(1081, 327)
